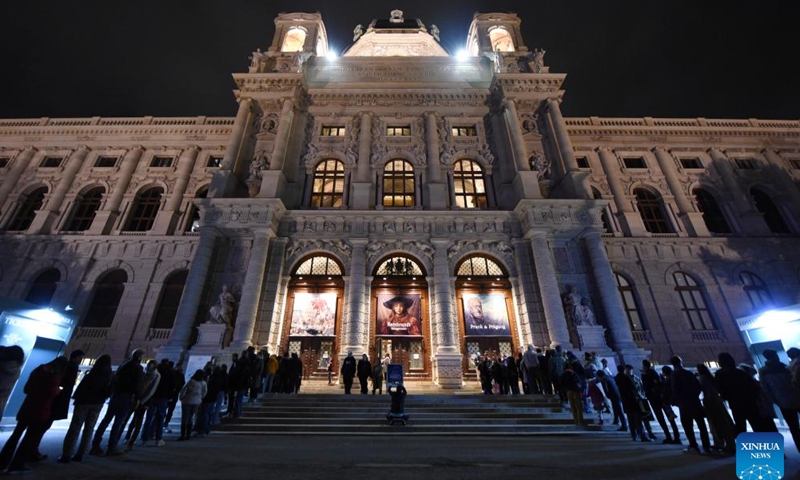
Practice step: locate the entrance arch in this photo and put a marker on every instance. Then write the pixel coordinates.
(313, 318)
(485, 310)
(400, 323)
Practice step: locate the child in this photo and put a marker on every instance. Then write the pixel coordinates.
(598, 399)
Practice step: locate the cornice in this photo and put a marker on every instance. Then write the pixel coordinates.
(358, 98)
(658, 129)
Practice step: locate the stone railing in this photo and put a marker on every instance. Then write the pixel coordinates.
(642, 336)
(159, 334)
(707, 336)
(680, 122)
(94, 333)
(114, 121)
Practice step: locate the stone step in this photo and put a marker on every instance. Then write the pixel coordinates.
(418, 421)
(411, 428)
(358, 412)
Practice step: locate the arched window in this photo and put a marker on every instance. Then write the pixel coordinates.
(712, 214)
(772, 216)
(398, 184)
(85, 209)
(480, 267)
(171, 294)
(28, 205)
(399, 267)
(328, 187)
(603, 216)
(756, 291)
(294, 40)
(693, 301)
(322, 266)
(501, 40)
(44, 287)
(469, 186)
(628, 296)
(652, 211)
(193, 225)
(144, 210)
(107, 294)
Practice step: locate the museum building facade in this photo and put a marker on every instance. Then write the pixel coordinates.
(399, 199)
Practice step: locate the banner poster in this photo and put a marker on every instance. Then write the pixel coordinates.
(759, 456)
(313, 314)
(486, 315)
(394, 375)
(399, 314)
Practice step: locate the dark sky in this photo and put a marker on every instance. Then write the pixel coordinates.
(676, 58)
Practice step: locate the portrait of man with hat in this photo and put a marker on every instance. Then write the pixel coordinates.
(399, 315)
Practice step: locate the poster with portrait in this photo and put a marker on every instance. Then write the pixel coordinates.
(313, 314)
(486, 315)
(399, 315)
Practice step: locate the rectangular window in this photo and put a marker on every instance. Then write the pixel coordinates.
(795, 164)
(634, 162)
(691, 163)
(333, 132)
(51, 162)
(464, 131)
(4, 162)
(746, 163)
(105, 162)
(161, 162)
(398, 131)
(583, 162)
(214, 162)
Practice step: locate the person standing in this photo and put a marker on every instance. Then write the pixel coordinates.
(612, 393)
(571, 385)
(178, 382)
(776, 381)
(348, 371)
(11, 359)
(686, 395)
(144, 392)
(718, 419)
(271, 368)
(60, 408)
(89, 397)
(296, 376)
(653, 383)
(363, 371)
(33, 417)
(530, 362)
(125, 382)
(156, 414)
(377, 379)
(191, 396)
(740, 391)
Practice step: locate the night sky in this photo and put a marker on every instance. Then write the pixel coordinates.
(714, 59)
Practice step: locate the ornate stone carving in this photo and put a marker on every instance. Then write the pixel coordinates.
(486, 153)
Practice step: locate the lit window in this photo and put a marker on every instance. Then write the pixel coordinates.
(464, 131)
(328, 187)
(468, 184)
(501, 40)
(398, 184)
(319, 266)
(294, 40)
(214, 162)
(480, 267)
(333, 132)
(399, 131)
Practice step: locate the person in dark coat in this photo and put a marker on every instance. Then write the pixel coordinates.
(377, 378)
(60, 407)
(296, 373)
(686, 395)
(571, 383)
(485, 373)
(363, 372)
(42, 387)
(123, 392)
(89, 397)
(159, 403)
(612, 393)
(178, 382)
(348, 371)
(740, 391)
(630, 394)
(11, 359)
(653, 383)
(776, 381)
(513, 374)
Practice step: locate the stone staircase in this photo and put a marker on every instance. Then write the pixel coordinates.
(329, 412)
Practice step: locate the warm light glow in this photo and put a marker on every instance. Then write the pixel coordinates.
(462, 54)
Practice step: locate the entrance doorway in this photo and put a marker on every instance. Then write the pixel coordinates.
(409, 352)
(315, 354)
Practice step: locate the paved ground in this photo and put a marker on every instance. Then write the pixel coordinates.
(590, 456)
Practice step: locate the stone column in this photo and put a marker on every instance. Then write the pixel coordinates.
(551, 294)
(251, 290)
(379, 188)
(46, 218)
(224, 180)
(630, 220)
(451, 183)
(18, 166)
(273, 180)
(607, 284)
(488, 182)
(517, 143)
(578, 180)
(105, 218)
(192, 293)
(168, 218)
(783, 179)
(358, 321)
(692, 220)
(435, 187)
(362, 184)
(447, 354)
(419, 204)
(751, 221)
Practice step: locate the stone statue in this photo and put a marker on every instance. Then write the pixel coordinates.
(584, 313)
(258, 164)
(435, 32)
(357, 32)
(541, 166)
(538, 60)
(255, 60)
(222, 312)
(486, 153)
(576, 308)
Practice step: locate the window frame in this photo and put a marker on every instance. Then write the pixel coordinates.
(398, 131)
(399, 177)
(144, 210)
(328, 173)
(690, 292)
(26, 212)
(634, 163)
(648, 207)
(630, 303)
(162, 161)
(465, 179)
(333, 131)
(100, 159)
(756, 290)
(50, 159)
(464, 131)
(82, 212)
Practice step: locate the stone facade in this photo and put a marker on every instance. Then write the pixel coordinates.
(242, 202)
